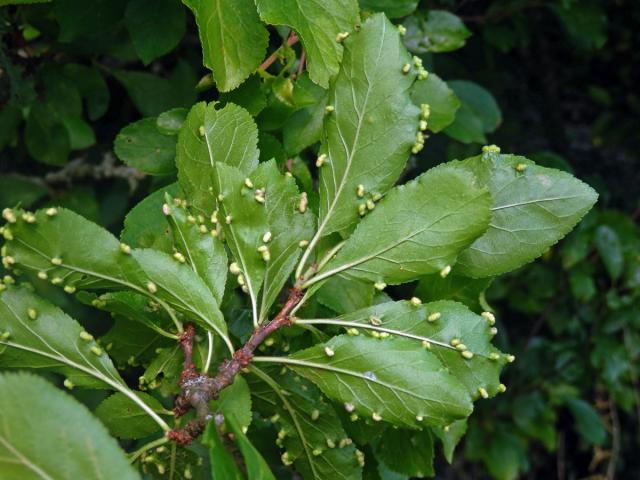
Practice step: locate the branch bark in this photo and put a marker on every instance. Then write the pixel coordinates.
(197, 389)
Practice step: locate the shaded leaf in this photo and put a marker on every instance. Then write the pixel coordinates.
(438, 31)
(125, 419)
(442, 101)
(142, 146)
(155, 26)
(407, 452)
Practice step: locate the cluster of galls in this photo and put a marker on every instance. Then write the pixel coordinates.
(159, 458)
(318, 450)
(425, 111)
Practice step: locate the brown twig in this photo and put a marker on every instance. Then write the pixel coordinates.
(198, 388)
(292, 40)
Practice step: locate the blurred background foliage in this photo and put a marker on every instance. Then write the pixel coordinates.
(91, 98)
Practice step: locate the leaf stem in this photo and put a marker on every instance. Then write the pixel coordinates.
(366, 326)
(292, 40)
(153, 444)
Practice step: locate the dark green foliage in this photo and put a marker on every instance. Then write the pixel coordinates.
(323, 168)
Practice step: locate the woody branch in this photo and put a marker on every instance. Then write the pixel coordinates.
(197, 389)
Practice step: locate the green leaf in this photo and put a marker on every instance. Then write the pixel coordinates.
(342, 294)
(151, 94)
(233, 39)
(450, 437)
(451, 322)
(52, 340)
(304, 127)
(439, 31)
(21, 2)
(235, 401)
(588, 423)
(145, 224)
(92, 258)
(532, 210)
(210, 136)
(610, 250)
(318, 26)
(182, 288)
(244, 222)
(52, 416)
(442, 101)
(372, 105)
(16, 190)
(257, 467)
(249, 95)
(46, 138)
(395, 380)
(125, 419)
(92, 86)
(155, 27)
(419, 228)
(171, 121)
(287, 227)
(407, 452)
(453, 287)
(503, 453)
(392, 8)
(479, 113)
(142, 146)
(313, 436)
(223, 465)
(204, 252)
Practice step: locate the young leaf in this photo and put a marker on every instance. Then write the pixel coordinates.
(155, 27)
(125, 419)
(370, 97)
(34, 452)
(310, 430)
(419, 228)
(142, 146)
(533, 207)
(395, 380)
(208, 137)
(318, 25)
(287, 227)
(204, 252)
(441, 324)
(233, 39)
(442, 101)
